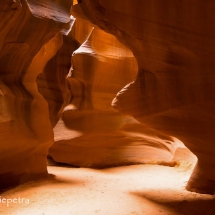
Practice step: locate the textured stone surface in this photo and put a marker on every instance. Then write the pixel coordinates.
(30, 37)
(91, 133)
(159, 68)
(173, 43)
(53, 83)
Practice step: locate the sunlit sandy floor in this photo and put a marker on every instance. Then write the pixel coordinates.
(129, 190)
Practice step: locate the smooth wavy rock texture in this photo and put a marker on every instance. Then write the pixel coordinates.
(91, 133)
(173, 43)
(30, 37)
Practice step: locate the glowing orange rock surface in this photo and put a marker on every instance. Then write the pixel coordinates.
(174, 92)
(30, 37)
(91, 133)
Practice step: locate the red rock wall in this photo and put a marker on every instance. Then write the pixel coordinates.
(164, 49)
(30, 37)
(174, 91)
(91, 133)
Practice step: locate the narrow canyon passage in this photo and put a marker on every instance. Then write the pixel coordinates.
(107, 107)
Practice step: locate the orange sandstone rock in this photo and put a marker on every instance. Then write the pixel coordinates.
(174, 92)
(30, 37)
(91, 133)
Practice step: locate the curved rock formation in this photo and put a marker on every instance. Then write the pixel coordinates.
(53, 83)
(30, 37)
(91, 133)
(173, 43)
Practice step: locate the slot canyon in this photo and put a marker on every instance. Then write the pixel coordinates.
(107, 107)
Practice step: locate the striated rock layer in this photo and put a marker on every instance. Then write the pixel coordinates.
(174, 92)
(30, 37)
(52, 82)
(90, 132)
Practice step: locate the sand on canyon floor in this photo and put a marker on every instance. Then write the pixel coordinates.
(128, 190)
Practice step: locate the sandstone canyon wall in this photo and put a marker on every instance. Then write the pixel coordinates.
(173, 43)
(90, 132)
(42, 87)
(152, 60)
(30, 37)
